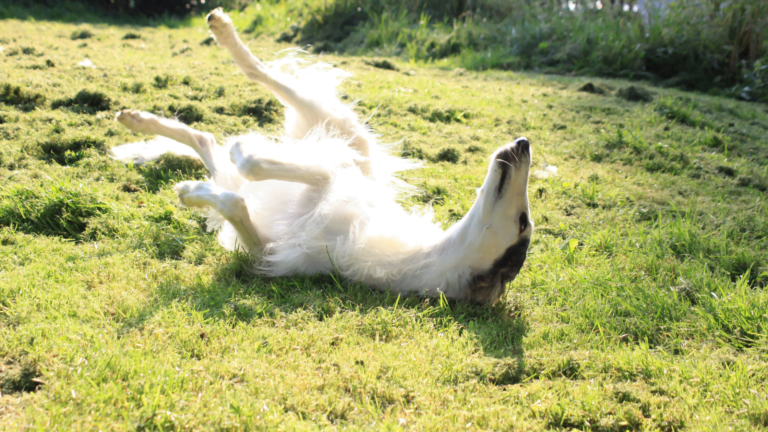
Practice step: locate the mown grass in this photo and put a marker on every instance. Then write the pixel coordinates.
(642, 305)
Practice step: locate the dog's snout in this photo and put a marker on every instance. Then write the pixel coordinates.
(523, 146)
(514, 152)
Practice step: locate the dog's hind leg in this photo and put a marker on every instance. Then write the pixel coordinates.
(312, 111)
(222, 28)
(143, 122)
(229, 204)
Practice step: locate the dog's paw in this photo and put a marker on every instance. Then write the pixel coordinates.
(137, 121)
(194, 193)
(236, 152)
(221, 26)
(248, 164)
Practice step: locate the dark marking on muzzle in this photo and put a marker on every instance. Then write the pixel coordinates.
(510, 157)
(504, 166)
(488, 286)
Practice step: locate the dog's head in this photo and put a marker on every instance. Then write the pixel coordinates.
(501, 222)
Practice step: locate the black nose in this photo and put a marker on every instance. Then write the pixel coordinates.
(515, 152)
(522, 146)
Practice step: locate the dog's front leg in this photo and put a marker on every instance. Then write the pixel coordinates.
(277, 166)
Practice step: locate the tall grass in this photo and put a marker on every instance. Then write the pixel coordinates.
(703, 45)
(697, 45)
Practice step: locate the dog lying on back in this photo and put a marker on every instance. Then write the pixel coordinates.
(323, 198)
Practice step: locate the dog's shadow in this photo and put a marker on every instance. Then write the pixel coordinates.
(235, 295)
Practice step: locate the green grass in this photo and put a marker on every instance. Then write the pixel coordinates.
(642, 305)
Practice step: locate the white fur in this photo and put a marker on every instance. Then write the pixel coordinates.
(323, 197)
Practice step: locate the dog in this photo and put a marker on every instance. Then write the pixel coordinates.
(324, 197)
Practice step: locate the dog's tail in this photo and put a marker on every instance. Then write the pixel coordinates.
(145, 151)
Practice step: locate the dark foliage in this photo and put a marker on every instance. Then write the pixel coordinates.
(20, 98)
(188, 113)
(68, 150)
(635, 94)
(86, 102)
(59, 210)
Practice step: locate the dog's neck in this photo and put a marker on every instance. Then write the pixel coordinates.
(471, 261)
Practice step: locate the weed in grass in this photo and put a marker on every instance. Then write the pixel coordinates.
(136, 87)
(82, 34)
(412, 151)
(54, 209)
(448, 154)
(188, 113)
(443, 115)
(130, 188)
(22, 99)
(289, 35)
(718, 141)
(635, 94)
(726, 170)
(264, 110)
(131, 35)
(170, 169)
(31, 51)
(753, 181)
(680, 112)
(85, 102)
(19, 375)
(382, 64)
(433, 194)
(163, 81)
(759, 418)
(449, 115)
(183, 50)
(473, 149)
(67, 150)
(592, 88)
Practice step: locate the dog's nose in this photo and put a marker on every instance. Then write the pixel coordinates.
(522, 146)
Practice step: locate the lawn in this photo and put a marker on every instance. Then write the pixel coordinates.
(642, 305)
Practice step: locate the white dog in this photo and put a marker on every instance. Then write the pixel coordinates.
(324, 197)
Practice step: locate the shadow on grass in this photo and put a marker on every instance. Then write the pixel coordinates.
(236, 296)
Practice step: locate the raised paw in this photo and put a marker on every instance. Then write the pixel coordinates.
(198, 194)
(137, 121)
(221, 26)
(236, 152)
(248, 164)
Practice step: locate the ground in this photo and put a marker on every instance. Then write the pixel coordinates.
(642, 305)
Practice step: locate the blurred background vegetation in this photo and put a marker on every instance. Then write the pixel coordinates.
(712, 46)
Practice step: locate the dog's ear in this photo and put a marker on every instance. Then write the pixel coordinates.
(488, 286)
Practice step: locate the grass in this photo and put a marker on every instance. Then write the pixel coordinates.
(642, 305)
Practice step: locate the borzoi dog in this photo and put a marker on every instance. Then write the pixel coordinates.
(323, 197)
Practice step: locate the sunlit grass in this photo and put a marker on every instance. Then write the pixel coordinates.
(642, 305)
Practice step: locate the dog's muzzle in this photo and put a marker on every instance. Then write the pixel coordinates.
(515, 153)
